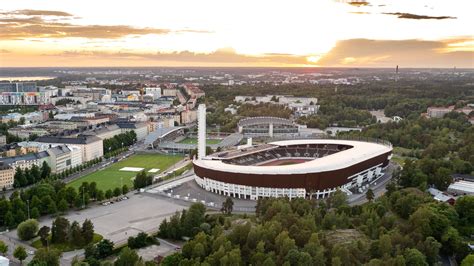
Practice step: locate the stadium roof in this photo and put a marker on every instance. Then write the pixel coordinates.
(264, 120)
(160, 133)
(360, 151)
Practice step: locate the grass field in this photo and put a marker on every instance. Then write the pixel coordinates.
(65, 247)
(109, 178)
(194, 141)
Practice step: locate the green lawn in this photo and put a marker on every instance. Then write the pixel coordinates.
(109, 178)
(64, 247)
(194, 141)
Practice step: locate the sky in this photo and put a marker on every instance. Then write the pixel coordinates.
(296, 33)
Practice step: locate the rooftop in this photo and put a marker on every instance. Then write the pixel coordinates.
(360, 151)
(81, 139)
(466, 186)
(26, 157)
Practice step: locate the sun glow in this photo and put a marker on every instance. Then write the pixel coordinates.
(313, 59)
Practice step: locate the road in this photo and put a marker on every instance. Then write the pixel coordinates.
(378, 187)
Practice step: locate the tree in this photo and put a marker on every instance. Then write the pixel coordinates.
(465, 208)
(43, 234)
(172, 260)
(35, 174)
(369, 195)
(142, 180)
(75, 235)
(45, 256)
(45, 170)
(109, 194)
(227, 206)
(125, 189)
(88, 231)
(127, 257)
(63, 206)
(104, 248)
(27, 229)
(193, 219)
(337, 199)
(414, 257)
(52, 208)
(59, 230)
(468, 260)
(100, 195)
(117, 192)
(19, 178)
(20, 253)
(35, 213)
(3, 248)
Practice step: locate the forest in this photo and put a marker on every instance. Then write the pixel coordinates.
(342, 105)
(403, 227)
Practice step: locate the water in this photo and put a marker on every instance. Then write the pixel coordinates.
(33, 78)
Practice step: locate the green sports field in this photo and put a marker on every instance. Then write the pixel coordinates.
(194, 141)
(109, 178)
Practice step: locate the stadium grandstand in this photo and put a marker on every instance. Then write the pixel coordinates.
(266, 126)
(165, 139)
(162, 135)
(312, 168)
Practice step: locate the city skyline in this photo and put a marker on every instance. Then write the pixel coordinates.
(326, 33)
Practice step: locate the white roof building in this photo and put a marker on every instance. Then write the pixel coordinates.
(462, 188)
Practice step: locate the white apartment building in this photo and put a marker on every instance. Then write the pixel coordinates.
(154, 92)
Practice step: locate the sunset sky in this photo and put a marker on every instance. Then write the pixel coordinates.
(333, 33)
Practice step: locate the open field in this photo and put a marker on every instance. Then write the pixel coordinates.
(194, 141)
(109, 178)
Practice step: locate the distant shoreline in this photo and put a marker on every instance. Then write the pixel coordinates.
(25, 78)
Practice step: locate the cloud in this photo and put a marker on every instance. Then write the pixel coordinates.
(414, 16)
(357, 3)
(5, 51)
(30, 12)
(30, 24)
(387, 53)
(225, 56)
(360, 13)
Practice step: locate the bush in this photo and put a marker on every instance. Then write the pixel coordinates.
(27, 229)
(141, 240)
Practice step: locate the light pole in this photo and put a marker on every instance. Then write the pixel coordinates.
(83, 198)
(28, 205)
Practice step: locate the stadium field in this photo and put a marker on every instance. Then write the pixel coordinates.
(284, 162)
(110, 177)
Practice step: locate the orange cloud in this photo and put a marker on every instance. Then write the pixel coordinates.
(387, 53)
(221, 56)
(37, 24)
(415, 16)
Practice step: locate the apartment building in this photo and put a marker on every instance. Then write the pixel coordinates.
(6, 176)
(91, 147)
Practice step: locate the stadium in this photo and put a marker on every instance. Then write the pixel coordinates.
(307, 168)
(310, 168)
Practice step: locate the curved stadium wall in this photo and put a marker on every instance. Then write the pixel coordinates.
(316, 168)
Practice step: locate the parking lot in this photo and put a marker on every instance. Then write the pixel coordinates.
(125, 218)
(189, 192)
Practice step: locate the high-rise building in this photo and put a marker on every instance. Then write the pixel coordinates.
(24, 93)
